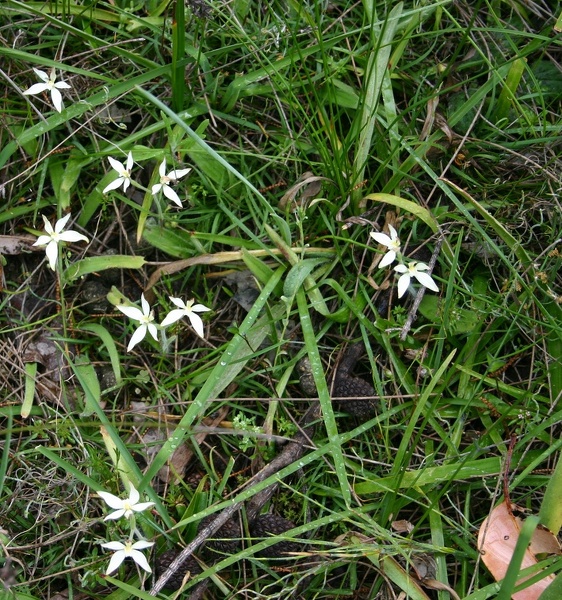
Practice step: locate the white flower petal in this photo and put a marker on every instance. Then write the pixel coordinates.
(115, 515)
(42, 240)
(393, 232)
(52, 252)
(200, 308)
(197, 324)
(115, 164)
(126, 183)
(178, 302)
(178, 173)
(72, 236)
(134, 495)
(403, 284)
(142, 545)
(48, 227)
(401, 269)
(162, 168)
(129, 162)
(387, 259)
(172, 317)
(41, 74)
(62, 85)
(113, 185)
(145, 305)
(56, 97)
(137, 337)
(381, 238)
(36, 88)
(113, 546)
(131, 311)
(153, 331)
(142, 506)
(60, 224)
(141, 561)
(115, 561)
(426, 280)
(156, 188)
(171, 195)
(111, 500)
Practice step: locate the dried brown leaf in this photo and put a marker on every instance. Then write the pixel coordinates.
(497, 539)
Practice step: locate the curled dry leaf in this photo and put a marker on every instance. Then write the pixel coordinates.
(402, 526)
(307, 184)
(497, 539)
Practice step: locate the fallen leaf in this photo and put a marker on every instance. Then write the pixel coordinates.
(497, 539)
(307, 184)
(16, 244)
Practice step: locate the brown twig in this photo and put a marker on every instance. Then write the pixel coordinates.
(291, 453)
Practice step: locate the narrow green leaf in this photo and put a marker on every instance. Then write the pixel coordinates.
(323, 395)
(132, 591)
(178, 53)
(89, 377)
(396, 573)
(298, 274)
(376, 72)
(431, 476)
(109, 344)
(95, 264)
(258, 268)
(551, 508)
(419, 211)
(554, 590)
(507, 95)
(30, 373)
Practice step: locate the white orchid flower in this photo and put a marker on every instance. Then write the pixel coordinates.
(392, 243)
(145, 317)
(124, 508)
(416, 270)
(54, 236)
(49, 85)
(127, 550)
(124, 173)
(189, 310)
(166, 180)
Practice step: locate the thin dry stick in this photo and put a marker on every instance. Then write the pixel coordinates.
(292, 452)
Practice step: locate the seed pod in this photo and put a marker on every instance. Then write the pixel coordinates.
(353, 389)
(227, 539)
(165, 560)
(268, 525)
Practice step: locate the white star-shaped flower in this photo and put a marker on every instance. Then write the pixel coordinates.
(392, 243)
(49, 85)
(186, 309)
(416, 270)
(145, 317)
(127, 550)
(53, 237)
(165, 181)
(124, 508)
(124, 173)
